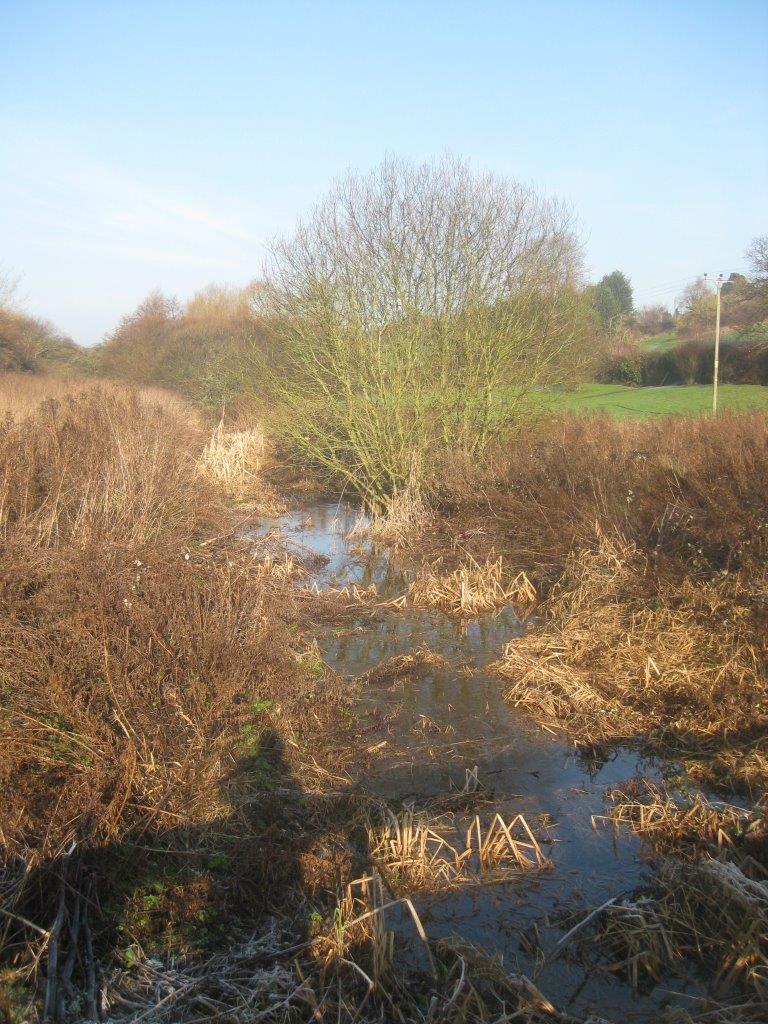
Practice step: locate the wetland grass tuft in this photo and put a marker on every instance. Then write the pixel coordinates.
(707, 911)
(689, 824)
(417, 849)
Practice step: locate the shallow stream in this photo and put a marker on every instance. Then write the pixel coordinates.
(431, 729)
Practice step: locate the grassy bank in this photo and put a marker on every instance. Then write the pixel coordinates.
(647, 403)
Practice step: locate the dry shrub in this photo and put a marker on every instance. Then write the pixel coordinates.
(624, 656)
(471, 589)
(132, 690)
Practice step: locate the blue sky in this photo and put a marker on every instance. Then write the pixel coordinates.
(163, 144)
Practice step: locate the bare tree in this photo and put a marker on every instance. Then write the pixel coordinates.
(757, 255)
(654, 319)
(8, 288)
(409, 301)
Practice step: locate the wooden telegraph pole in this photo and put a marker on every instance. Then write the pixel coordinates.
(717, 347)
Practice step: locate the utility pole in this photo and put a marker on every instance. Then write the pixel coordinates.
(717, 347)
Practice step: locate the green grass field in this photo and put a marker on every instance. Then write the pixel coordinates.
(645, 403)
(660, 342)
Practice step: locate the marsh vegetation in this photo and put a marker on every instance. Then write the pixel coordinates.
(311, 689)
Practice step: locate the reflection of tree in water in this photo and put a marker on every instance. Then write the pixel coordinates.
(279, 855)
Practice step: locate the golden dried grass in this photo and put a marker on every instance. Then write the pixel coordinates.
(21, 394)
(103, 466)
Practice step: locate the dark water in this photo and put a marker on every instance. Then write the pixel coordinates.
(436, 727)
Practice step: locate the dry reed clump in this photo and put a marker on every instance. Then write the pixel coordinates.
(233, 460)
(707, 911)
(679, 667)
(404, 515)
(690, 825)
(418, 850)
(471, 589)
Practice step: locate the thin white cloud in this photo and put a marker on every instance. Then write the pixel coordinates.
(83, 199)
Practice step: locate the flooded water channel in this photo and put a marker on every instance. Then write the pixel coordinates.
(432, 729)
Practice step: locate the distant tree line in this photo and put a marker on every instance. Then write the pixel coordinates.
(31, 345)
(744, 329)
(206, 349)
(396, 315)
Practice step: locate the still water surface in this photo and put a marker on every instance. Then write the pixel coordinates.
(435, 727)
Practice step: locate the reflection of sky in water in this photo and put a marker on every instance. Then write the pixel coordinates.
(526, 769)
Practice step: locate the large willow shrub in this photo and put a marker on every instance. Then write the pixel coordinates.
(418, 306)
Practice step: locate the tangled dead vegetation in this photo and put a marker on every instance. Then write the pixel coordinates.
(348, 972)
(403, 666)
(707, 911)
(680, 668)
(156, 689)
(749, 1011)
(471, 589)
